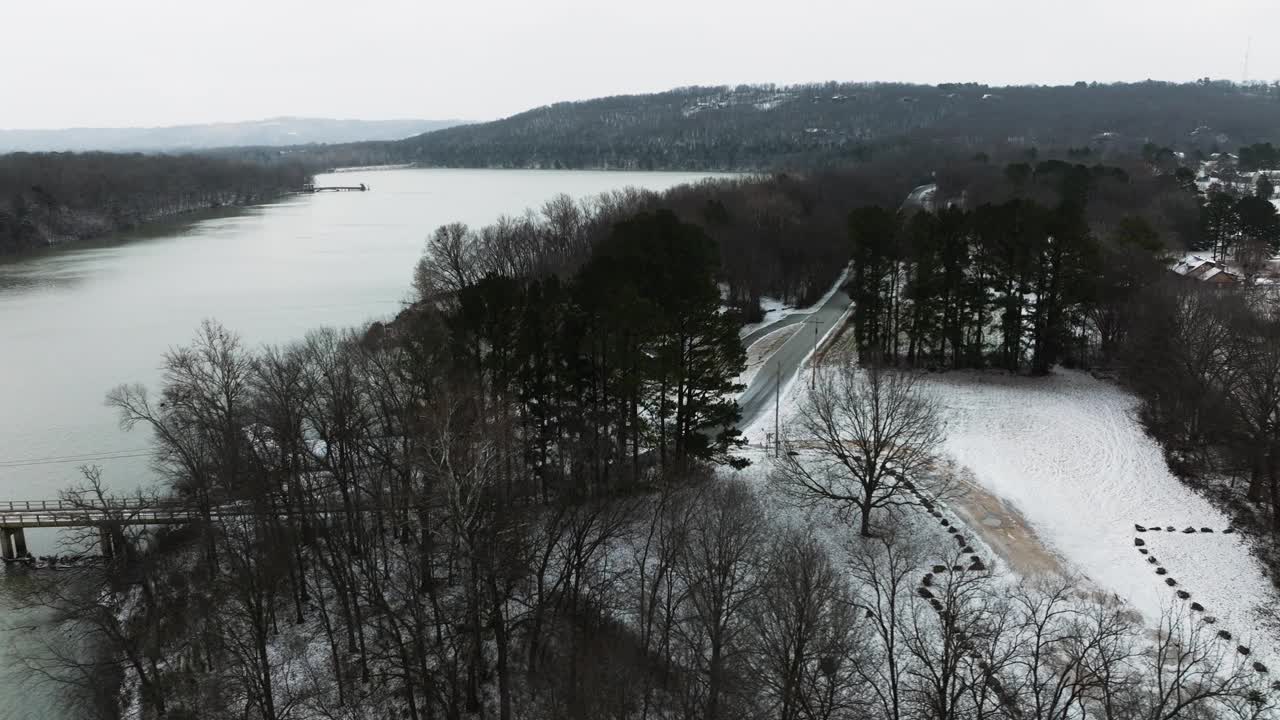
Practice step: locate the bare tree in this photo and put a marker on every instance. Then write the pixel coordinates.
(85, 641)
(884, 569)
(1069, 648)
(449, 263)
(659, 594)
(248, 589)
(1190, 672)
(721, 567)
(946, 674)
(807, 642)
(200, 422)
(863, 440)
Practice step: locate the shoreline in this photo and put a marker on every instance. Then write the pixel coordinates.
(144, 230)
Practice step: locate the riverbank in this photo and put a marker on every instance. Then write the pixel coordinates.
(161, 225)
(49, 199)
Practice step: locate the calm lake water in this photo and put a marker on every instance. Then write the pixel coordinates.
(77, 322)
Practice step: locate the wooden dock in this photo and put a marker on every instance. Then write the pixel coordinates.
(335, 188)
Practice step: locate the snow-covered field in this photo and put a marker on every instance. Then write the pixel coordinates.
(1067, 451)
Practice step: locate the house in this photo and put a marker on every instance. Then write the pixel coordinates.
(1219, 276)
(1189, 263)
(1204, 270)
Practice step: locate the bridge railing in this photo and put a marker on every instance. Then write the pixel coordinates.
(85, 518)
(158, 511)
(16, 506)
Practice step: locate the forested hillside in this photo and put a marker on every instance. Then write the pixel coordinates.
(52, 198)
(754, 127)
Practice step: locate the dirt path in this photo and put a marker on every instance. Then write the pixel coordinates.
(1001, 526)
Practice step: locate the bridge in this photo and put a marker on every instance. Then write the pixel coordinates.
(18, 515)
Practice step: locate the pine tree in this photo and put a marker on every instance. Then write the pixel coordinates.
(688, 346)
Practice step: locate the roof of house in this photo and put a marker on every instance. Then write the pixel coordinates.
(1199, 268)
(1190, 264)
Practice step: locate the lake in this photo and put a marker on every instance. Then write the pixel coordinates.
(76, 322)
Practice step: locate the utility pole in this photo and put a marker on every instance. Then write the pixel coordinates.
(777, 401)
(813, 358)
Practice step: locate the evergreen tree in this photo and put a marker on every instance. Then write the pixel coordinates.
(1259, 223)
(1220, 220)
(873, 232)
(1264, 188)
(691, 348)
(925, 285)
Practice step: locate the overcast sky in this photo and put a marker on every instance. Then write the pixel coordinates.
(161, 62)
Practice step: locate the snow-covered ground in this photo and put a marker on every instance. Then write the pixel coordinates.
(1068, 456)
(1068, 453)
(840, 535)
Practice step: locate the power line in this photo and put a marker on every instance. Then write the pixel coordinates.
(122, 454)
(84, 457)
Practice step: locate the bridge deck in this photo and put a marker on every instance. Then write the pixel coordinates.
(36, 519)
(60, 514)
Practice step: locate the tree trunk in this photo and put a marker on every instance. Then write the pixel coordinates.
(501, 642)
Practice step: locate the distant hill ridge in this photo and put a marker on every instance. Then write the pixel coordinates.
(765, 126)
(272, 132)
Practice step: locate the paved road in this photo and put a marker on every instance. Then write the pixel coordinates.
(758, 397)
(758, 334)
(921, 198)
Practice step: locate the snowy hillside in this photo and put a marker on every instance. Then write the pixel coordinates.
(1067, 451)
(1071, 473)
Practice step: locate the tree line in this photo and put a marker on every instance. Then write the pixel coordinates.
(626, 362)
(772, 128)
(394, 555)
(1206, 364)
(54, 198)
(1259, 156)
(778, 236)
(1244, 229)
(1022, 284)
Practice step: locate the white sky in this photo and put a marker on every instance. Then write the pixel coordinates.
(160, 62)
